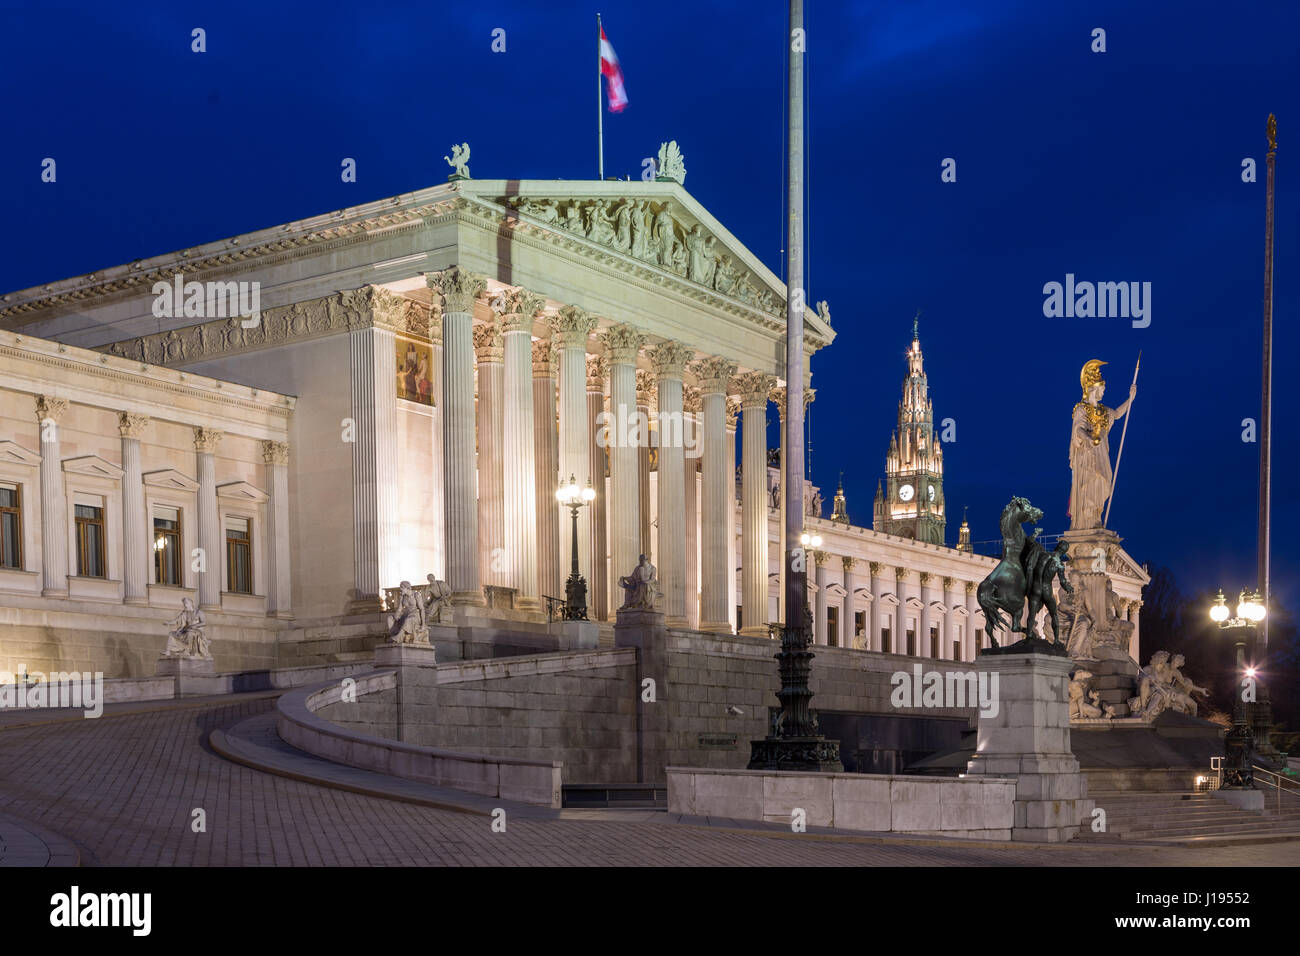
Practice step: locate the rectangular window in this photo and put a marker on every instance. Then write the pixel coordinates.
(239, 555)
(167, 546)
(832, 626)
(90, 542)
(934, 643)
(11, 526)
(886, 644)
(912, 649)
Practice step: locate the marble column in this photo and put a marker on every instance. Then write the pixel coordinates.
(923, 643)
(898, 633)
(1134, 647)
(777, 396)
(713, 375)
(206, 441)
(670, 360)
(136, 526)
(819, 603)
(597, 370)
(971, 648)
(489, 350)
(877, 591)
(753, 388)
(645, 406)
(692, 435)
(546, 469)
(279, 603)
(570, 328)
(846, 612)
(516, 309)
(733, 420)
(54, 500)
(459, 289)
(628, 437)
(950, 598)
(437, 468)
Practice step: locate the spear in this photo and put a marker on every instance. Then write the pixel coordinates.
(1120, 454)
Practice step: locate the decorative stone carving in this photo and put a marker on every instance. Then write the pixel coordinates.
(1162, 686)
(275, 452)
(641, 587)
(515, 309)
(571, 326)
(489, 345)
(671, 166)
(459, 162)
(645, 388)
(622, 343)
(544, 359)
(733, 411)
(714, 374)
(50, 409)
(187, 638)
(597, 373)
(458, 288)
(824, 312)
(1085, 700)
(206, 440)
(753, 388)
(131, 425)
(670, 359)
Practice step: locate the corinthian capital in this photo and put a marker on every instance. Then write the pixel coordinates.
(49, 408)
(645, 387)
(132, 426)
(457, 287)
(515, 309)
(622, 343)
(714, 374)
(571, 326)
(753, 388)
(777, 395)
(544, 358)
(733, 411)
(670, 359)
(488, 342)
(692, 399)
(275, 452)
(206, 440)
(597, 372)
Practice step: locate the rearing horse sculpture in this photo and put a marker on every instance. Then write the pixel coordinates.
(1006, 586)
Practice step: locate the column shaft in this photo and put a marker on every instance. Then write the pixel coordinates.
(877, 591)
(628, 435)
(821, 635)
(714, 375)
(923, 645)
(494, 560)
(519, 462)
(547, 470)
(754, 503)
(599, 594)
(136, 526)
(571, 327)
(54, 503)
(846, 610)
(670, 361)
(205, 442)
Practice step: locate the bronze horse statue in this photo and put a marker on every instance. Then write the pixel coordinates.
(1025, 571)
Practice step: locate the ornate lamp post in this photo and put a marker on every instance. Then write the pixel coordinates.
(575, 588)
(1239, 742)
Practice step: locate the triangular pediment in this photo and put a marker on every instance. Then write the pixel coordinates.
(93, 466)
(242, 491)
(12, 453)
(634, 220)
(170, 479)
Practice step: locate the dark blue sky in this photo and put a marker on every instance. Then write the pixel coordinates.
(1122, 166)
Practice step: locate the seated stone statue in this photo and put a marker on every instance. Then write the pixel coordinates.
(1155, 692)
(187, 638)
(436, 595)
(641, 587)
(1085, 702)
(407, 625)
(1182, 688)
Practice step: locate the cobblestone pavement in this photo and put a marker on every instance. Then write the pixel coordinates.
(123, 789)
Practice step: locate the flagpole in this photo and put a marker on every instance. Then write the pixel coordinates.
(600, 117)
(1266, 403)
(1120, 454)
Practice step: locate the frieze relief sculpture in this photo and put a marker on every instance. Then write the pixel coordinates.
(653, 235)
(187, 638)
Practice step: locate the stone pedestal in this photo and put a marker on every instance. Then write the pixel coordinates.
(1028, 737)
(647, 632)
(195, 677)
(405, 655)
(577, 635)
(1115, 676)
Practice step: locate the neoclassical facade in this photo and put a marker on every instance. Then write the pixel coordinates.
(423, 373)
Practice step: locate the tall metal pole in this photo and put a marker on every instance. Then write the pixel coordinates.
(796, 562)
(1266, 413)
(600, 115)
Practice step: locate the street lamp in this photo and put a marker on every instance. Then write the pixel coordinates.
(813, 540)
(1239, 742)
(573, 497)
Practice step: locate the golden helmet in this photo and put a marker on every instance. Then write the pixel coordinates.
(1091, 374)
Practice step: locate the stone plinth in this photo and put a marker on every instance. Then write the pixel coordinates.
(193, 676)
(647, 632)
(1115, 676)
(1028, 737)
(405, 655)
(577, 635)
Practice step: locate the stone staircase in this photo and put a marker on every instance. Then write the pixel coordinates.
(1140, 817)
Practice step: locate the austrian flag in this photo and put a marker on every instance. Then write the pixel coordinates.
(613, 75)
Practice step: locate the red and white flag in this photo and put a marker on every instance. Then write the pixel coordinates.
(613, 75)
